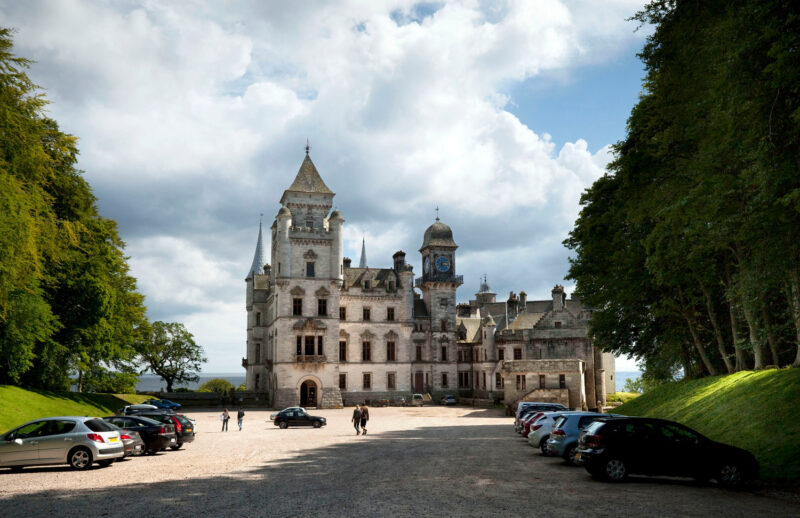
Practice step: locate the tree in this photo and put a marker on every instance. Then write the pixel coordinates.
(218, 385)
(169, 350)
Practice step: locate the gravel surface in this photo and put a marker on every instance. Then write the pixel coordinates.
(414, 461)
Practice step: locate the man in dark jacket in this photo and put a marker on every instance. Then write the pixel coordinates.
(356, 419)
(240, 417)
(364, 418)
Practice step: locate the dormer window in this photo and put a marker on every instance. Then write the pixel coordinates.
(310, 223)
(391, 285)
(558, 324)
(367, 285)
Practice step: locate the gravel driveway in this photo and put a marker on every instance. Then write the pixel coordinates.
(415, 461)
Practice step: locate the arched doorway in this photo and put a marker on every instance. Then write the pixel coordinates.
(308, 394)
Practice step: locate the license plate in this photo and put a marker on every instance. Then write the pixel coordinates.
(172, 439)
(189, 430)
(113, 439)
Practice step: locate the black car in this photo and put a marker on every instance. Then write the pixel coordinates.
(612, 448)
(184, 428)
(297, 417)
(156, 436)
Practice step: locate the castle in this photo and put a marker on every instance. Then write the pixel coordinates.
(323, 333)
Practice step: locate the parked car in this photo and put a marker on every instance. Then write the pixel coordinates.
(449, 400)
(526, 422)
(131, 441)
(563, 441)
(163, 403)
(184, 428)
(611, 448)
(298, 417)
(540, 430)
(536, 405)
(132, 409)
(273, 415)
(77, 441)
(399, 401)
(156, 436)
(382, 402)
(417, 400)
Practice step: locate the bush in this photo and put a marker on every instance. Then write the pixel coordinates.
(218, 385)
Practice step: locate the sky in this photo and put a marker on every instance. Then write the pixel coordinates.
(193, 117)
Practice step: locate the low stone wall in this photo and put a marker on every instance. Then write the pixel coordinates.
(213, 399)
(476, 402)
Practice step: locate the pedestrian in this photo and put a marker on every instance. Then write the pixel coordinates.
(357, 419)
(364, 418)
(224, 416)
(240, 417)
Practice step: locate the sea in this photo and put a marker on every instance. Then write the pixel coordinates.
(154, 383)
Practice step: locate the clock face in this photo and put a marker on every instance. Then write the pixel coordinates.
(442, 264)
(426, 265)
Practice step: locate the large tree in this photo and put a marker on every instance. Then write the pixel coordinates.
(169, 350)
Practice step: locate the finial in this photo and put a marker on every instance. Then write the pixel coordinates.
(437, 213)
(308, 147)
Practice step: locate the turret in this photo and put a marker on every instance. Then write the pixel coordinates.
(283, 222)
(335, 222)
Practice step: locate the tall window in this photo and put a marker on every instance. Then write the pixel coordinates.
(463, 379)
(419, 353)
(342, 351)
(366, 351)
(366, 314)
(541, 381)
(517, 353)
(390, 352)
(342, 313)
(297, 306)
(258, 353)
(558, 324)
(562, 381)
(309, 269)
(310, 345)
(520, 382)
(498, 381)
(258, 318)
(444, 325)
(322, 307)
(444, 380)
(389, 313)
(367, 380)
(299, 345)
(390, 384)
(444, 353)
(343, 381)
(484, 379)
(501, 354)
(319, 345)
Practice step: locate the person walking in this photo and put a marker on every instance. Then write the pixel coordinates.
(240, 417)
(224, 418)
(364, 418)
(357, 419)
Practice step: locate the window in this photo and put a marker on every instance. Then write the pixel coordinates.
(310, 223)
(444, 353)
(322, 307)
(310, 345)
(463, 379)
(444, 325)
(297, 307)
(343, 381)
(390, 384)
(444, 380)
(562, 381)
(389, 313)
(366, 315)
(367, 285)
(366, 352)
(443, 301)
(541, 381)
(342, 351)
(419, 353)
(258, 353)
(367, 380)
(501, 354)
(558, 324)
(390, 352)
(309, 269)
(498, 381)
(517, 353)
(299, 345)
(258, 318)
(342, 313)
(319, 345)
(391, 285)
(520, 382)
(484, 379)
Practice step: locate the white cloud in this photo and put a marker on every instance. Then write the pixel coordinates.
(200, 110)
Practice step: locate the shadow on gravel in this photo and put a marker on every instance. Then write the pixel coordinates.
(458, 470)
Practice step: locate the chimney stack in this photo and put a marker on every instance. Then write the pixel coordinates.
(559, 297)
(346, 262)
(399, 260)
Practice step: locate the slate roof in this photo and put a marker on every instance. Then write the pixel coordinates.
(420, 309)
(438, 234)
(380, 277)
(259, 258)
(307, 180)
(525, 321)
(472, 328)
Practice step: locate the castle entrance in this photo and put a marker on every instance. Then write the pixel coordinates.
(308, 394)
(418, 386)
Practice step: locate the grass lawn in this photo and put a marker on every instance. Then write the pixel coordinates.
(621, 397)
(755, 410)
(19, 405)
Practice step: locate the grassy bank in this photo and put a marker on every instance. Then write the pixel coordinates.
(18, 405)
(755, 410)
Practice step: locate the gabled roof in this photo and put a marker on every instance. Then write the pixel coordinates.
(307, 180)
(259, 258)
(471, 328)
(525, 321)
(379, 277)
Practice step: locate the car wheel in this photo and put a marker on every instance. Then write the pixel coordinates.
(284, 425)
(615, 470)
(80, 458)
(151, 451)
(176, 446)
(543, 445)
(569, 455)
(730, 474)
(316, 424)
(106, 463)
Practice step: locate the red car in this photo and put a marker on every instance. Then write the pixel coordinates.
(528, 422)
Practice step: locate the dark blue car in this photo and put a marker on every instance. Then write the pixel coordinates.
(163, 403)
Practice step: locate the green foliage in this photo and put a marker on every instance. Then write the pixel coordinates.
(18, 405)
(169, 350)
(689, 247)
(622, 397)
(634, 385)
(67, 303)
(218, 385)
(242, 387)
(754, 410)
(99, 379)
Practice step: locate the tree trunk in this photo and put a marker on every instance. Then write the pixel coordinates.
(80, 380)
(686, 360)
(701, 350)
(794, 302)
(712, 315)
(771, 339)
(741, 357)
(755, 341)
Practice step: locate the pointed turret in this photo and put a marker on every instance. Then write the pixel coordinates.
(307, 180)
(259, 258)
(363, 262)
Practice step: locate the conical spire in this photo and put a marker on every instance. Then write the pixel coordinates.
(260, 258)
(363, 262)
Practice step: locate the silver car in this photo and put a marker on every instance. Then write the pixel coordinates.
(77, 441)
(540, 430)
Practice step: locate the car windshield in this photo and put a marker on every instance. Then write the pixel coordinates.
(98, 425)
(147, 421)
(594, 427)
(559, 422)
